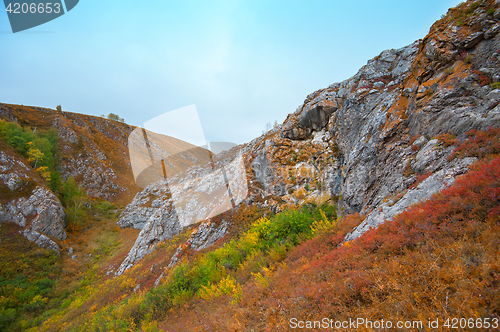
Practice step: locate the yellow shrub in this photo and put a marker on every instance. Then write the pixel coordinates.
(227, 286)
(127, 284)
(39, 298)
(324, 225)
(44, 172)
(260, 280)
(250, 239)
(263, 280)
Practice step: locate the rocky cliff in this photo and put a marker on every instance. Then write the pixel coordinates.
(373, 143)
(26, 201)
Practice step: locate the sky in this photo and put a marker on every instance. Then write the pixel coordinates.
(242, 63)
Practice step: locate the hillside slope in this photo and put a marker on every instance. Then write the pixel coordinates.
(377, 198)
(93, 150)
(369, 141)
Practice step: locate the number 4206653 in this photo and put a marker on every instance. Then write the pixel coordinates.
(33, 8)
(463, 323)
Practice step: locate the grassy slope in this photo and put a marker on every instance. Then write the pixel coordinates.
(28, 271)
(439, 259)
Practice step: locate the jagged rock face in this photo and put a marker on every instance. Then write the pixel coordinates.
(207, 234)
(436, 182)
(433, 86)
(204, 236)
(144, 205)
(30, 205)
(98, 180)
(41, 240)
(162, 225)
(365, 139)
(49, 214)
(165, 208)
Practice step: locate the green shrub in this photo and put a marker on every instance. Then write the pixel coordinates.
(74, 198)
(39, 147)
(272, 237)
(27, 280)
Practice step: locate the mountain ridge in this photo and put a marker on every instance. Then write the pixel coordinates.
(366, 153)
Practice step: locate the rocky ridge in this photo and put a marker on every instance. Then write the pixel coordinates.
(362, 142)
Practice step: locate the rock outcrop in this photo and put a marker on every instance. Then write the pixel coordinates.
(162, 225)
(382, 122)
(166, 208)
(362, 142)
(26, 202)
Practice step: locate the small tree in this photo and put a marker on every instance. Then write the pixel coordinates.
(115, 117)
(55, 182)
(34, 155)
(74, 197)
(59, 108)
(44, 172)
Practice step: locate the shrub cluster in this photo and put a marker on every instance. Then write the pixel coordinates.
(39, 147)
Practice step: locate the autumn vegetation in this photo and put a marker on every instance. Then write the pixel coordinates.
(439, 259)
(39, 147)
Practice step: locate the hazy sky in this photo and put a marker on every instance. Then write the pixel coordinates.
(242, 63)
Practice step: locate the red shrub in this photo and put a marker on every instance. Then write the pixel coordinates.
(483, 78)
(480, 144)
(426, 263)
(447, 139)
